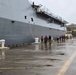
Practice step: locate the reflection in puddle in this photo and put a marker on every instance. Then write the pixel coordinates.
(2, 54)
(43, 46)
(36, 47)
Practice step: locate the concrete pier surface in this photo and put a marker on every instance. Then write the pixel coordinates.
(40, 59)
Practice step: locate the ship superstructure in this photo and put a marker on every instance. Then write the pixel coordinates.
(21, 22)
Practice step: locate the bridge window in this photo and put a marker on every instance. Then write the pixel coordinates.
(32, 19)
(13, 21)
(25, 17)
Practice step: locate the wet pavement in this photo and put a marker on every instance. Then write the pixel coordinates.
(37, 59)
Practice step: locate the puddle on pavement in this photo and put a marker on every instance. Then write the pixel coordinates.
(35, 56)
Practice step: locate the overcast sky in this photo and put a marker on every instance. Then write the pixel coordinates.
(63, 8)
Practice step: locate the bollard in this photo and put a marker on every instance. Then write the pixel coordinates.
(36, 40)
(3, 48)
(3, 54)
(2, 42)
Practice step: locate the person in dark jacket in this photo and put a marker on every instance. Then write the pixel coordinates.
(57, 39)
(60, 38)
(49, 41)
(45, 41)
(49, 38)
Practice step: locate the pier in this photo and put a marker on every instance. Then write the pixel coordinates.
(38, 59)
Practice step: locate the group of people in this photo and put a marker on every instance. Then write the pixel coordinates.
(61, 38)
(49, 38)
(45, 39)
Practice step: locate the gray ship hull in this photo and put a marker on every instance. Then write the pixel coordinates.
(20, 22)
(18, 32)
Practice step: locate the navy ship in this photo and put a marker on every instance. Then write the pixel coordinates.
(22, 21)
